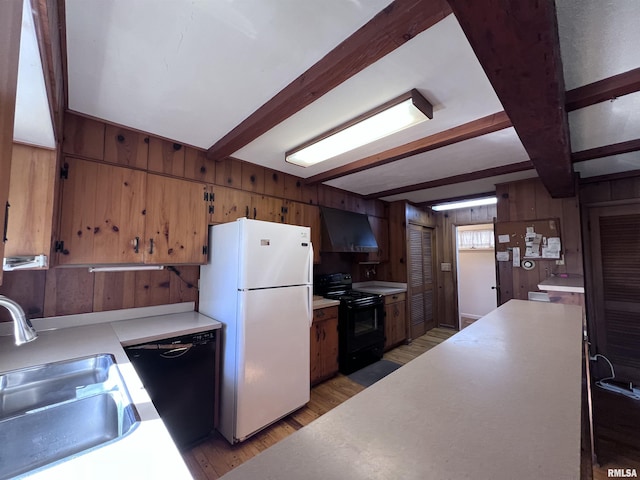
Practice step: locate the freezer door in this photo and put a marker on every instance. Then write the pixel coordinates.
(274, 255)
(273, 360)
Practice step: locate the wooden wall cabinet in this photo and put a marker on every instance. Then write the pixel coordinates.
(395, 320)
(31, 196)
(380, 227)
(125, 147)
(10, 27)
(114, 215)
(306, 215)
(324, 344)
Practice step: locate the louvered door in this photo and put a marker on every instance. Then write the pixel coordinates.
(615, 255)
(420, 280)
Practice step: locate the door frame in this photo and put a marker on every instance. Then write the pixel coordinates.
(455, 266)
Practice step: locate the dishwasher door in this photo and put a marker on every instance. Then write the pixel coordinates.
(179, 375)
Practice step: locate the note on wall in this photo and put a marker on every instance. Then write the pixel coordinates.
(552, 248)
(516, 256)
(502, 256)
(503, 238)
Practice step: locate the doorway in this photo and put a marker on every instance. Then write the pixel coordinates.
(476, 272)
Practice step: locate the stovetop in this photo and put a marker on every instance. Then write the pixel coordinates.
(337, 286)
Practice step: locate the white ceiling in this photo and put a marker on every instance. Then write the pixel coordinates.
(192, 70)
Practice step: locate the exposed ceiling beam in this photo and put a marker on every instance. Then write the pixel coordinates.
(602, 90)
(476, 128)
(611, 177)
(518, 48)
(388, 30)
(463, 177)
(606, 150)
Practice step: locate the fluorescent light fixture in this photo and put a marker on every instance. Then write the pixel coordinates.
(465, 203)
(126, 268)
(402, 112)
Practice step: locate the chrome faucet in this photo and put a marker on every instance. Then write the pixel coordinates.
(23, 331)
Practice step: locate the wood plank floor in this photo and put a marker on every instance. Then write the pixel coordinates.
(215, 457)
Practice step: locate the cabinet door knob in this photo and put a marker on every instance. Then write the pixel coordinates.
(151, 245)
(136, 244)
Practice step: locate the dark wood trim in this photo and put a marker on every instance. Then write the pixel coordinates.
(602, 90)
(43, 35)
(476, 128)
(464, 177)
(517, 45)
(606, 150)
(461, 198)
(610, 176)
(388, 30)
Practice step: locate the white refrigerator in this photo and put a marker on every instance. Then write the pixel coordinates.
(259, 284)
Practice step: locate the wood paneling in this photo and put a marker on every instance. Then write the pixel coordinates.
(229, 172)
(26, 288)
(68, 291)
(126, 147)
(274, 183)
(31, 196)
(10, 23)
(252, 178)
(198, 167)
(324, 344)
(529, 200)
(166, 157)
(83, 137)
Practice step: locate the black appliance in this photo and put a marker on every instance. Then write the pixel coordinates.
(360, 321)
(179, 375)
(344, 231)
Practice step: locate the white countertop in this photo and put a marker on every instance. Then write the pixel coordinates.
(321, 302)
(148, 451)
(572, 284)
(499, 400)
(382, 288)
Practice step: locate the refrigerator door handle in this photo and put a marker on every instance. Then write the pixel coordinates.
(310, 280)
(310, 304)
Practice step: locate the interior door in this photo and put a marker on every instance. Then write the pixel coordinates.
(421, 283)
(615, 283)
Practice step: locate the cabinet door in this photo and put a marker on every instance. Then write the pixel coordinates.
(102, 213)
(394, 326)
(269, 209)
(166, 157)
(125, 147)
(307, 216)
(31, 194)
(176, 221)
(329, 354)
(228, 204)
(10, 21)
(380, 227)
(315, 366)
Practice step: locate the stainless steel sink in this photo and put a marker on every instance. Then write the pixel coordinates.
(53, 411)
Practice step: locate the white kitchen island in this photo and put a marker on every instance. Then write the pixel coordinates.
(499, 400)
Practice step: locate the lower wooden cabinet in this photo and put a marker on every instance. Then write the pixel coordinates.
(324, 344)
(395, 319)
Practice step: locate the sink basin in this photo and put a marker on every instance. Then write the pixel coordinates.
(51, 412)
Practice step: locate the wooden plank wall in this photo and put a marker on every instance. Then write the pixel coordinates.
(64, 291)
(447, 281)
(529, 200)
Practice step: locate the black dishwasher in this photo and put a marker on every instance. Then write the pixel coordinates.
(179, 375)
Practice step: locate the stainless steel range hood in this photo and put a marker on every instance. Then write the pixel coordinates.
(344, 231)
